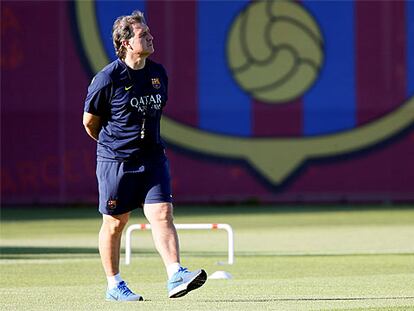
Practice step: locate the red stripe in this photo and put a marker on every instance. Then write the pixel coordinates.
(277, 119)
(143, 226)
(173, 25)
(381, 60)
(214, 226)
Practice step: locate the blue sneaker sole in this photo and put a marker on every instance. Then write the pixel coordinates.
(197, 282)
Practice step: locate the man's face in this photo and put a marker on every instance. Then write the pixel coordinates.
(141, 42)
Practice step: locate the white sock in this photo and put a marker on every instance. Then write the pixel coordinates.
(114, 280)
(173, 268)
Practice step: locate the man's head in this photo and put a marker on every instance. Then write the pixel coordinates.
(131, 34)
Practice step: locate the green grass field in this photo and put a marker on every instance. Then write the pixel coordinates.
(287, 258)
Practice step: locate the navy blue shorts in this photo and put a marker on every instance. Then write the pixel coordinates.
(125, 186)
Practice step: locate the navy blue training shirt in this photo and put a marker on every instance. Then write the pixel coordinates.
(129, 103)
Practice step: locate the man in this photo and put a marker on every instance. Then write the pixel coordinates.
(122, 113)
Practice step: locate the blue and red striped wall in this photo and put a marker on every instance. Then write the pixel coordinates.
(368, 68)
(368, 71)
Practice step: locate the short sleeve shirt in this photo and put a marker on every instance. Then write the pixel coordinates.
(129, 103)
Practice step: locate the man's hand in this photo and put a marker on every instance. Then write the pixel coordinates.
(92, 125)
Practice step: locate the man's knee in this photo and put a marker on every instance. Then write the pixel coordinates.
(115, 224)
(159, 212)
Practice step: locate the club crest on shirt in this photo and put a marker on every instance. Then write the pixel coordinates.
(156, 83)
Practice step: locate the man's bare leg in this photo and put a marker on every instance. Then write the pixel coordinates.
(160, 216)
(181, 281)
(109, 249)
(110, 241)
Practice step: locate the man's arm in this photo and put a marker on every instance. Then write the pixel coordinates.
(92, 125)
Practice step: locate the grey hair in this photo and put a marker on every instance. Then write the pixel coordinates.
(123, 30)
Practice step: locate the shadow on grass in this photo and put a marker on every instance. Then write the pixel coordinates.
(39, 212)
(23, 252)
(311, 299)
(18, 250)
(30, 252)
(41, 252)
(44, 250)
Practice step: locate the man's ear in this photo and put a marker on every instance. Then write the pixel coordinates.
(125, 43)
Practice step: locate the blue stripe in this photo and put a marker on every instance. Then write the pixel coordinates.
(330, 105)
(410, 47)
(107, 12)
(223, 107)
